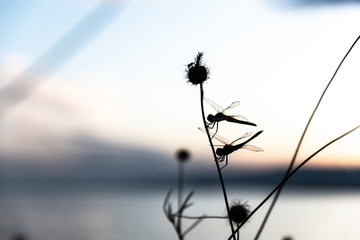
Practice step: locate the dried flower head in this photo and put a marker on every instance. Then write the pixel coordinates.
(18, 236)
(239, 212)
(183, 155)
(287, 238)
(196, 72)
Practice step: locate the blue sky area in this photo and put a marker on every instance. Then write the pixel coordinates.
(112, 73)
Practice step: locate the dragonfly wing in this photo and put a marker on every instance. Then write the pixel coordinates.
(232, 105)
(248, 134)
(216, 136)
(214, 105)
(239, 117)
(221, 139)
(252, 148)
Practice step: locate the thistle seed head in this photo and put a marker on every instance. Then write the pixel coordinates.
(196, 72)
(239, 212)
(183, 155)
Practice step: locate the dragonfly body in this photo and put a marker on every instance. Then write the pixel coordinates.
(222, 117)
(228, 148)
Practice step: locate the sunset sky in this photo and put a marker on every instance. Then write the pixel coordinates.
(121, 78)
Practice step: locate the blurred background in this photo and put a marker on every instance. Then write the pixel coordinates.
(94, 105)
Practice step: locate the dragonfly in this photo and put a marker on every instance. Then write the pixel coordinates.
(229, 147)
(221, 116)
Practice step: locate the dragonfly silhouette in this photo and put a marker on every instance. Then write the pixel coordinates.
(220, 116)
(229, 147)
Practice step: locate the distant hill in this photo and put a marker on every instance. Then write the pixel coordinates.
(98, 163)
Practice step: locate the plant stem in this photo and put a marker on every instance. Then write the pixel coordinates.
(300, 142)
(289, 176)
(216, 162)
(238, 232)
(180, 192)
(202, 217)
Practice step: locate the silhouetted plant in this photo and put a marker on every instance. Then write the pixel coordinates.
(290, 175)
(222, 152)
(292, 162)
(237, 213)
(182, 156)
(175, 217)
(197, 73)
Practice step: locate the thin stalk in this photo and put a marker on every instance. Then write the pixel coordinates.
(238, 232)
(300, 142)
(201, 217)
(180, 192)
(289, 176)
(216, 162)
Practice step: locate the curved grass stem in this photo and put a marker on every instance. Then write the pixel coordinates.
(292, 162)
(216, 162)
(289, 176)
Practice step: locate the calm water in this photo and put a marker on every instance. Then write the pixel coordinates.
(137, 214)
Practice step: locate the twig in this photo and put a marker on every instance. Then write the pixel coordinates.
(289, 176)
(171, 216)
(201, 217)
(300, 142)
(184, 205)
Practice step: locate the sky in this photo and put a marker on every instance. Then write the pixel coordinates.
(113, 73)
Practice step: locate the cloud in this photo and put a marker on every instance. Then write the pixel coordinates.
(58, 110)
